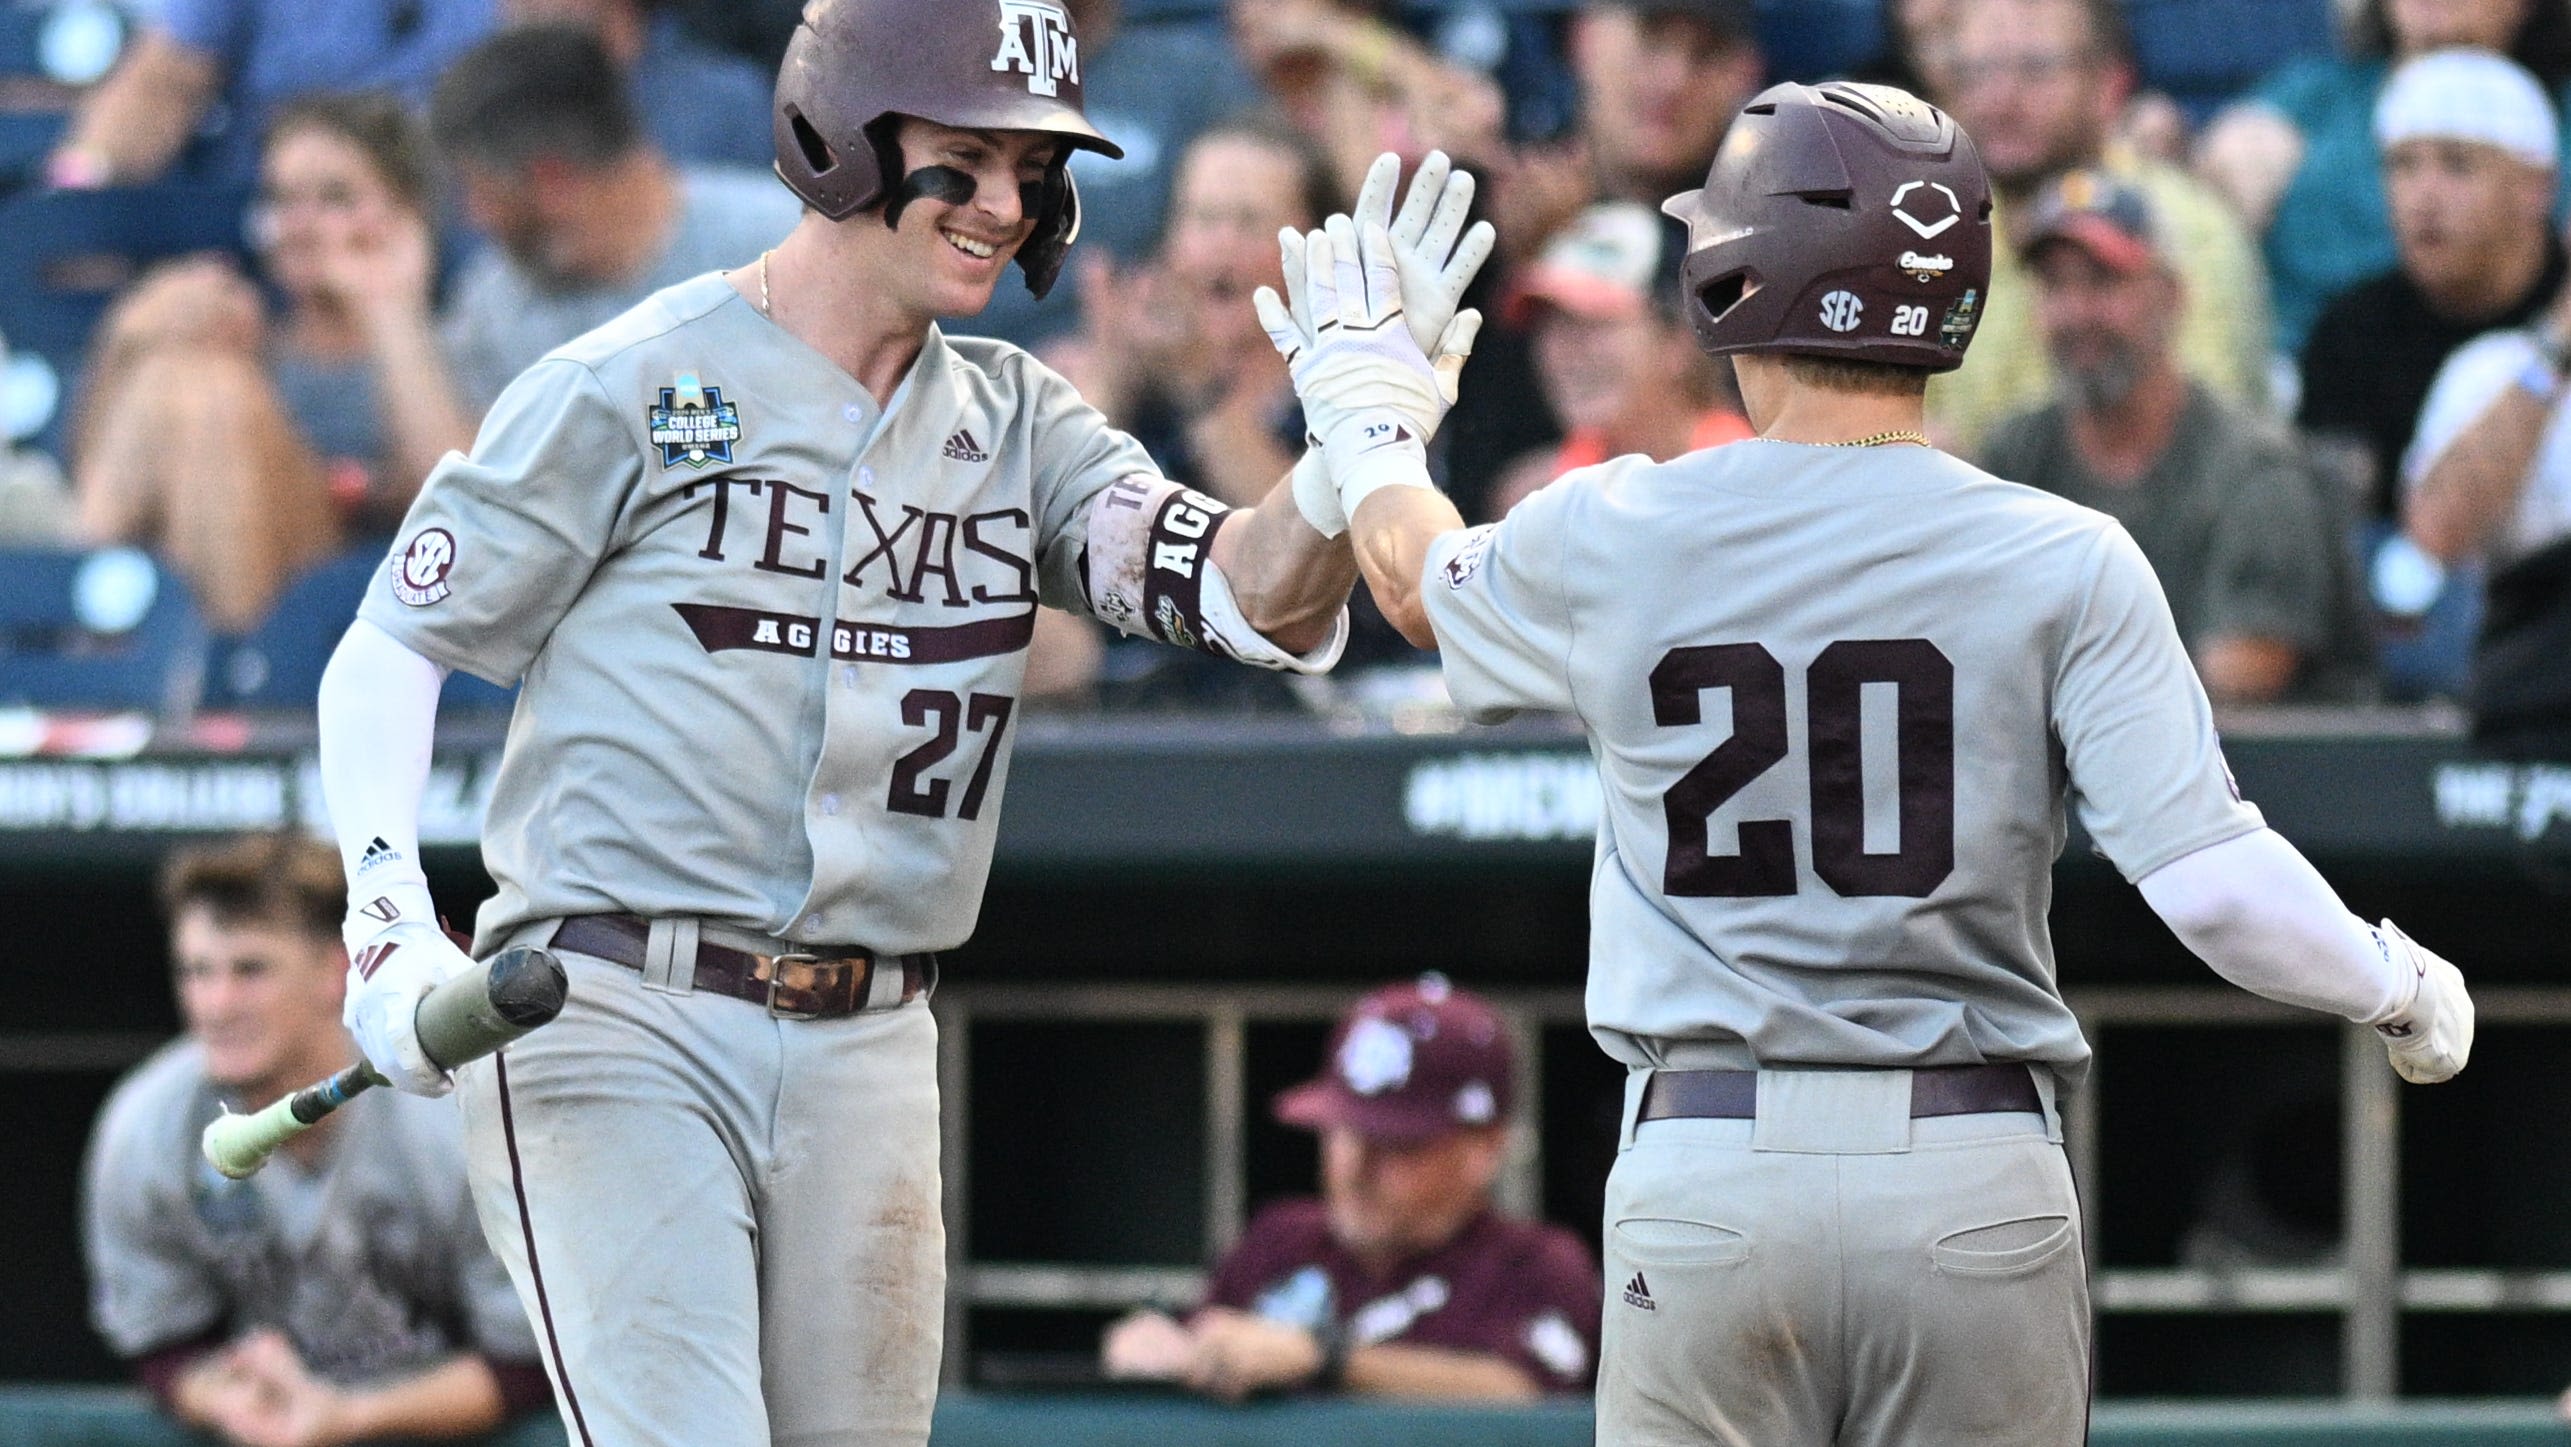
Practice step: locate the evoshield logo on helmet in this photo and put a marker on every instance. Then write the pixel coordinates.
(1930, 229)
(1036, 41)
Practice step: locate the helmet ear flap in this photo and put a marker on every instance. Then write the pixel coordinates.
(1055, 204)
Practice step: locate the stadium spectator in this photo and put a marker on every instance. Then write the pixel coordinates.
(1401, 1280)
(701, 104)
(1617, 362)
(245, 446)
(2300, 159)
(1917, 38)
(2470, 148)
(342, 1294)
(234, 62)
(1155, 86)
(1659, 82)
(2245, 540)
(586, 215)
(2488, 489)
(1171, 350)
(2041, 86)
(1360, 85)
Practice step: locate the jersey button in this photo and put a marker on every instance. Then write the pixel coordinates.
(830, 804)
(812, 921)
(853, 412)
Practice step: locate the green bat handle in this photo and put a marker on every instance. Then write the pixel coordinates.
(462, 1020)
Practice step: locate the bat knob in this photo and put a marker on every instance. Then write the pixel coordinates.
(527, 986)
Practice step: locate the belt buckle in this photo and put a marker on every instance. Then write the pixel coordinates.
(773, 962)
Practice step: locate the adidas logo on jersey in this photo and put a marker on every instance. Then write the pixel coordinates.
(1639, 1294)
(963, 448)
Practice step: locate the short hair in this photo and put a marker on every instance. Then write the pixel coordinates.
(285, 879)
(532, 91)
(1853, 374)
(2111, 31)
(379, 125)
(1316, 188)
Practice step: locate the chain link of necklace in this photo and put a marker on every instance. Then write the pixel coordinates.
(763, 291)
(1881, 438)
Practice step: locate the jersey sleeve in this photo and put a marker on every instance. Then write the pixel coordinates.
(500, 543)
(1554, 1338)
(2146, 770)
(1078, 456)
(1495, 595)
(2470, 380)
(146, 1288)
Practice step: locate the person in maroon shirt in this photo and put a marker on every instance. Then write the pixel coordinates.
(1400, 1280)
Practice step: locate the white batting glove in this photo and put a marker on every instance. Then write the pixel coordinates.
(1369, 392)
(2430, 1034)
(1434, 270)
(396, 955)
(1435, 266)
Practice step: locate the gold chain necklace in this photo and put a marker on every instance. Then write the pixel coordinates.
(1879, 439)
(763, 291)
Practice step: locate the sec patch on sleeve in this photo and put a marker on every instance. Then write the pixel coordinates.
(1468, 558)
(419, 575)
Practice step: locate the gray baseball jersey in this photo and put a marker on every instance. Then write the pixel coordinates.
(1837, 700)
(771, 632)
(372, 1265)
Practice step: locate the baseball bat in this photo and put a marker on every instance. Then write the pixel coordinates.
(464, 1019)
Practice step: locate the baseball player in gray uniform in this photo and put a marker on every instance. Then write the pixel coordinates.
(765, 553)
(1839, 687)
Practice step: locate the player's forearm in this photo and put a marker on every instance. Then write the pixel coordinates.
(457, 1398)
(2473, 486)
(2258, 912)
(1394, 1370)
(378, 717)
(1288, 580)
(133, 124)
(1391, 533)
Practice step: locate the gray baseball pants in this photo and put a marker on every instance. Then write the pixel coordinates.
(1836, 1274)
(725, 1226)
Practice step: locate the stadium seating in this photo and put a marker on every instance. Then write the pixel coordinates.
(108, 629)
(68, 253)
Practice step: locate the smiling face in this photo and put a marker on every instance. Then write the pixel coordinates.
(945, 258)
(261, 997)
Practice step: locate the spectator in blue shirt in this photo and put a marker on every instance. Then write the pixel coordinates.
(2299, 158)
(228, 64)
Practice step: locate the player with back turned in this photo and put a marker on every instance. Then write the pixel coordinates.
(766, 553)
(1840, 688)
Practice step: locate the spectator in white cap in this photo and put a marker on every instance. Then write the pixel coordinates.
(2297, 155)
(1613, 356)
(2470, 147)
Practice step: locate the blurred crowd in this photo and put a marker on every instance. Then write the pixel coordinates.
(2304, 333)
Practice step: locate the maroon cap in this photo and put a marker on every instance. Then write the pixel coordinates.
(2105, 217)
(1409, 1062)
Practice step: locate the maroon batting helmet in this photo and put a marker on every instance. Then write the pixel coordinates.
(855, 66)
(1840, 220)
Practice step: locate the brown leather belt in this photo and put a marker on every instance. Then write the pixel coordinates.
(1934, 1090)
(820, 984)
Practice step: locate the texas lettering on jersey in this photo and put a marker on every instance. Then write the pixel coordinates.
(911, 555)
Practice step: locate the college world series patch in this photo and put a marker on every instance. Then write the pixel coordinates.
(692, 424)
